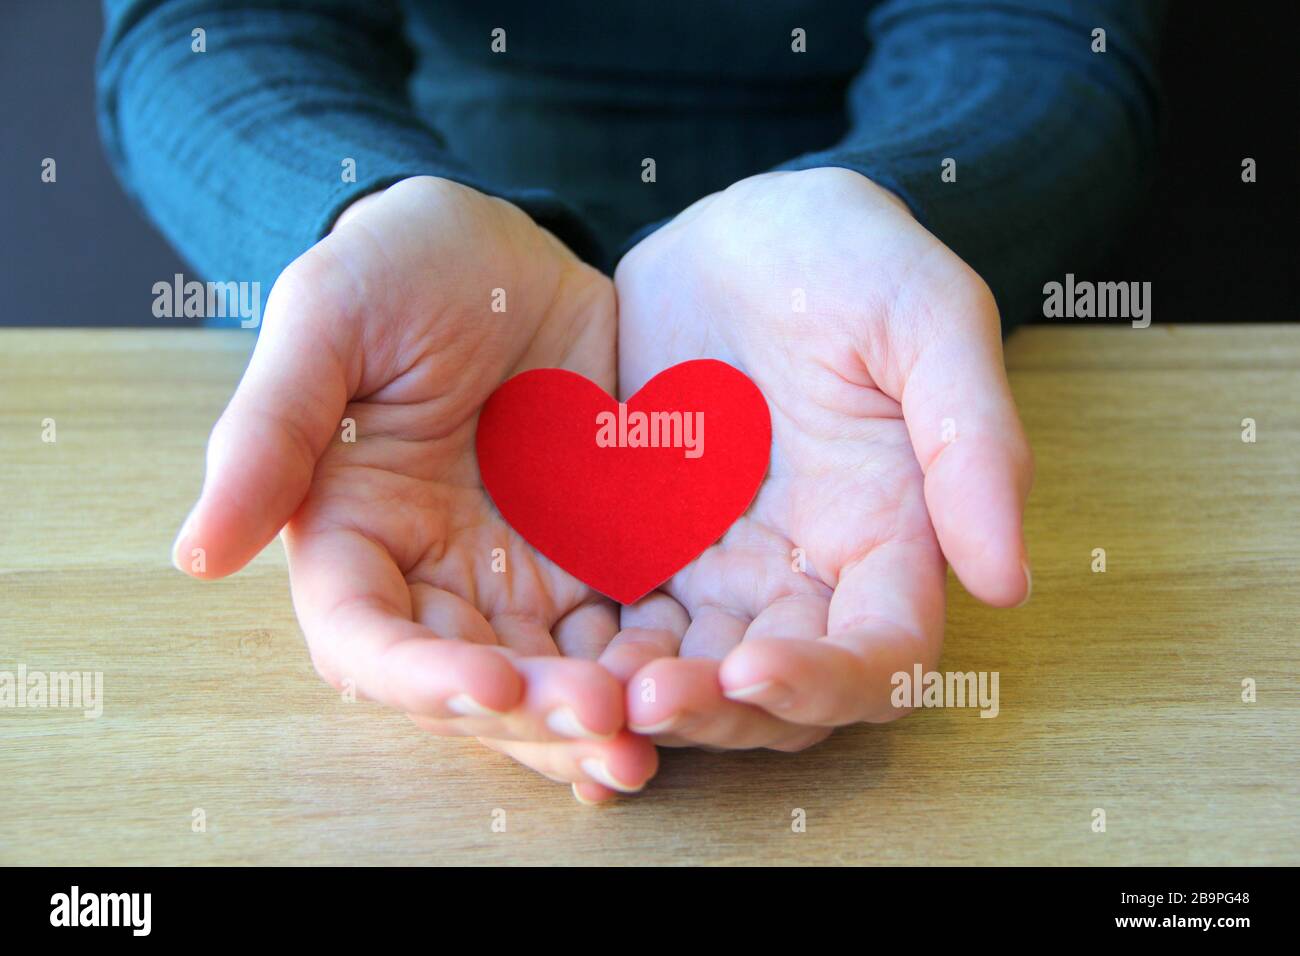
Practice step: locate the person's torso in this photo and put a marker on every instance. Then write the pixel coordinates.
(576, 97)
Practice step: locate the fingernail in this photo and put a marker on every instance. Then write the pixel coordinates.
(467, 706)
(1029, 584)
(596, 768)
(565, 722)
(577, 795)
(650, 730)
(769, 689)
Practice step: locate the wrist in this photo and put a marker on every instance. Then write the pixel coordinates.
(839, 182)
(356, 207)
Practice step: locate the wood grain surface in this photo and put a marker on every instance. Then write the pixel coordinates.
(1119, 690)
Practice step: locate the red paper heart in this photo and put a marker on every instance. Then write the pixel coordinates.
(624, 519)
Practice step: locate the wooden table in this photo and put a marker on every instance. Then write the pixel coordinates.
(1119, 690)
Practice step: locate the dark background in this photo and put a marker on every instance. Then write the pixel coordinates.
(1215, 249)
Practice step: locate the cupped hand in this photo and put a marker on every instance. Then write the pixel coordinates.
(896, 445)
(353, 431)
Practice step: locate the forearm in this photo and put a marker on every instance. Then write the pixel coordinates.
(244, 154)
(1048, 141)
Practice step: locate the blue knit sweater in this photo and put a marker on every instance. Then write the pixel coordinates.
(238, 152)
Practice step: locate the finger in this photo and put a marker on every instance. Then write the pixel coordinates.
(264, 448)
(524, 634)
(796, 738)
(593, 794)
(587, 630)
(624, 764)
(800, 738)
(652, 628)
(885, 616)
(679, 702)
(793, 616)
(967, 436)
(714, 631)
(563, 700)
(356, 612)
(571, 698)
(445, 613)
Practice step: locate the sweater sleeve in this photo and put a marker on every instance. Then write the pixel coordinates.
(240, 153)
(1051, 140)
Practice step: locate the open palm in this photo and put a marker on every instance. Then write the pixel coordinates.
(353, 430)
(895, 445)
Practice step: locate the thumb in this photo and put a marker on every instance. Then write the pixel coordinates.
(264, 448)
(967, 435)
